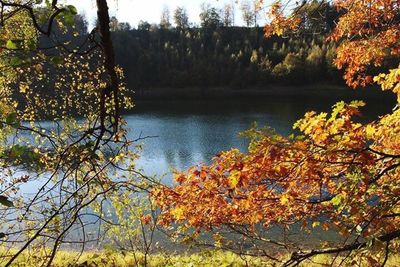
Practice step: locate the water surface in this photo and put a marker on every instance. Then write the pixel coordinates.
(190, 132)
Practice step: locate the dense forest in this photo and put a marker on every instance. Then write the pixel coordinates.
(216, 53)
(225, 56)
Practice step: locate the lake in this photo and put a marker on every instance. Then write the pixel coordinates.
(190, 132)
(184, 133)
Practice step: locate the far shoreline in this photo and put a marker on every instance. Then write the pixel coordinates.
(319, 90)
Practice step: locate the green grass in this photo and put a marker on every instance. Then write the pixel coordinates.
(206, 259)
(116, 259)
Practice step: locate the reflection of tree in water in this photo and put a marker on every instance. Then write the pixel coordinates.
(192, 132)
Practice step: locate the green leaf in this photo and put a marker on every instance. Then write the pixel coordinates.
(11, 118)
(69, 14)
(31, 43)
(72, 9)
(16, 61)
(11, 45)
(69, 19)
(19, 61)
(5, 202)
(55, 60)
(32, 156)
(17, 151)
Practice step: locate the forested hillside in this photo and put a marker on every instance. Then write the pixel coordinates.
(226, 56)
(216, 53)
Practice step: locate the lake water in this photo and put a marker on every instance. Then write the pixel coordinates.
(190, 132)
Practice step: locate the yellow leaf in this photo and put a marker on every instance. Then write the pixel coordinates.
(370, 130)
(178, 213)
(23, 87)
(315, 224)
(234, 178)
(218, 240)
(284, 200)
(279, 31)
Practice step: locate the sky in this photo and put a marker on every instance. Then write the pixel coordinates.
(133, 11)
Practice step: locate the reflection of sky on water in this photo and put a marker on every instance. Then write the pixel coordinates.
(190, 133)
(183, 141)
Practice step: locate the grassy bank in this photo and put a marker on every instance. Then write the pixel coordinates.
(206, 258)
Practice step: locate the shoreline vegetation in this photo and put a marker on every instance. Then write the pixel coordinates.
(274, 90)
(209, 258)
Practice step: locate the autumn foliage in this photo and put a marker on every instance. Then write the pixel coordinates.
(368, 33)
(336, 173)
(336, 168)
(330, 169)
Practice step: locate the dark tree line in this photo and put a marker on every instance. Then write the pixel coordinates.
(234, 56)
(177, 54)
(217, 54)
